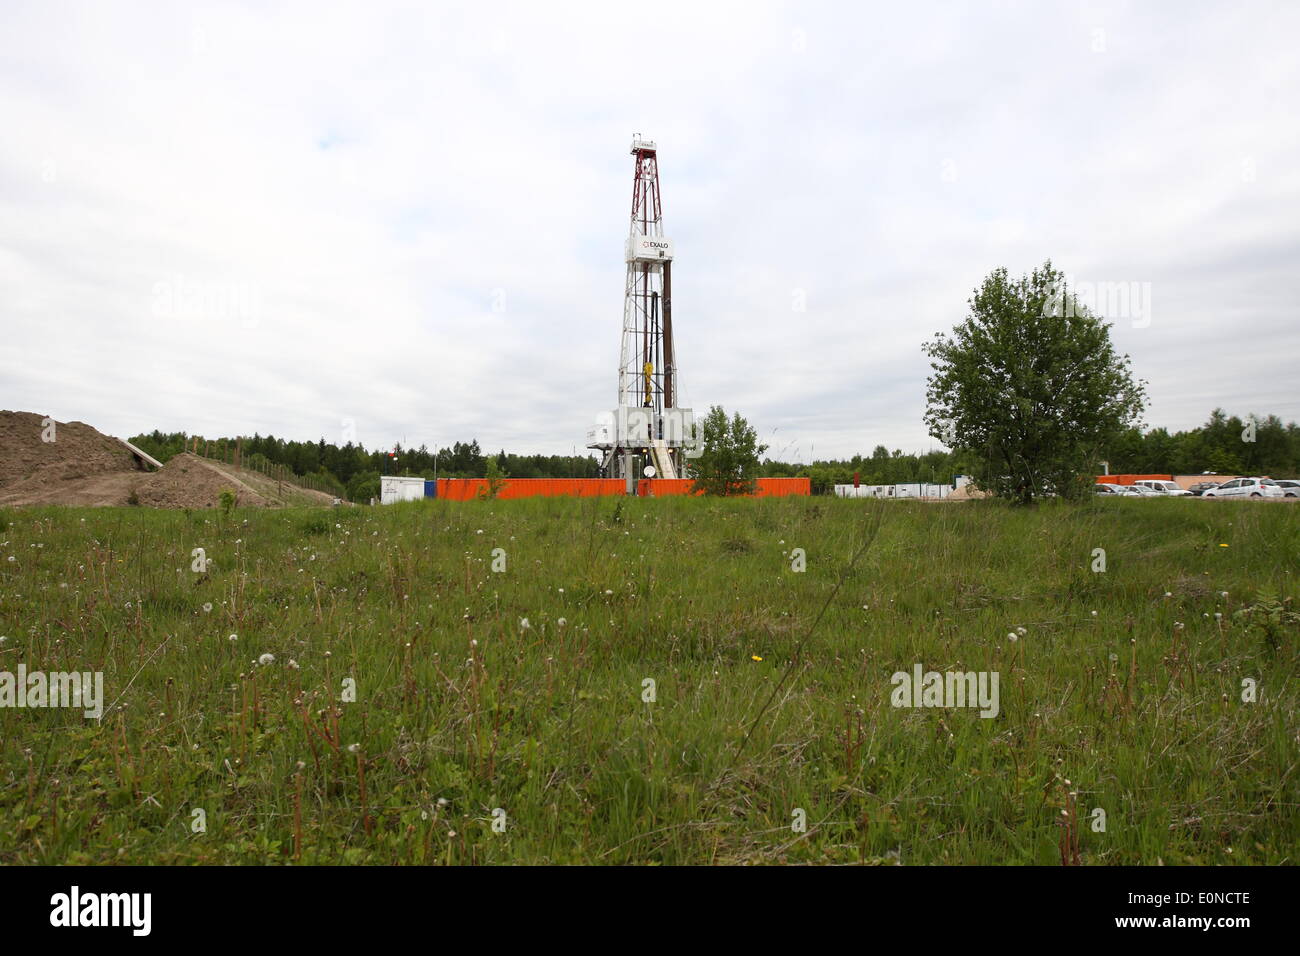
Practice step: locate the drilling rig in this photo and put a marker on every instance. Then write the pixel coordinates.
(647, 434)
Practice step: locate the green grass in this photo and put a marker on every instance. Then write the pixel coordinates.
(548, 723)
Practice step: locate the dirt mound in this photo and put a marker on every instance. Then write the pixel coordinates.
(61, 463)
(83, 466)
(274, 491)
(34, 453)
(188, 481)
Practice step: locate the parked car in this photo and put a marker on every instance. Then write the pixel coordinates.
(1105, 488)
(1146, 491)
(1162, 487)
(1201, 487)
(1246, 488)
(1290, 487)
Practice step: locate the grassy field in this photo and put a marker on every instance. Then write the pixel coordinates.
(513, 700)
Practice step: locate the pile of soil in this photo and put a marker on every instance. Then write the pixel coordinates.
(76, 451)
(188, 481)
(83, 466)
(80, 466)
(966, 493)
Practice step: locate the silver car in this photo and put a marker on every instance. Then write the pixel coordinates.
(1146, 491)
(1106, 488)
(1246, 488)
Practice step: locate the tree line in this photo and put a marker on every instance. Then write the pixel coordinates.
(1224, 445)
(1218, 446)
(1221, 445)
(1028, 392)
(353, 471)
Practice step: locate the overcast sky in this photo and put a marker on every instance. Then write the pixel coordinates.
(407, 223)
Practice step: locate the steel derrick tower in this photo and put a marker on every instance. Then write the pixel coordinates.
(647, 434)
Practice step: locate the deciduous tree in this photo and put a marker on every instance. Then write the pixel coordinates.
(1030, 383)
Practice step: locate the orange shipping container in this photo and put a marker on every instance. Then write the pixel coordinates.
(783, 487)
(1129, 479)
(468, 489)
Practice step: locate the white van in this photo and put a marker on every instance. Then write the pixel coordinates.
(1163, 487)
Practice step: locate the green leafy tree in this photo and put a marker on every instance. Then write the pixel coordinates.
(729, 462)
(496, 479)
(1031, 384)
(364, 486)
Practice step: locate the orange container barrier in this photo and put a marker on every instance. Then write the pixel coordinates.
(663, 487)
(468, 489)
(783, 487)
(1129, 479)
(767, 487)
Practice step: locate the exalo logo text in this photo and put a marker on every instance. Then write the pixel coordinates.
(103, 909)
(947, 690)
(649, 250)
(1107, 300)
(56, 689)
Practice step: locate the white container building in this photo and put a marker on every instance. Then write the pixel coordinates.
(400, 488)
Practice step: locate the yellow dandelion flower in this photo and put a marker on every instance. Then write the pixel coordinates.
(1223, 545)
(755, 657)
